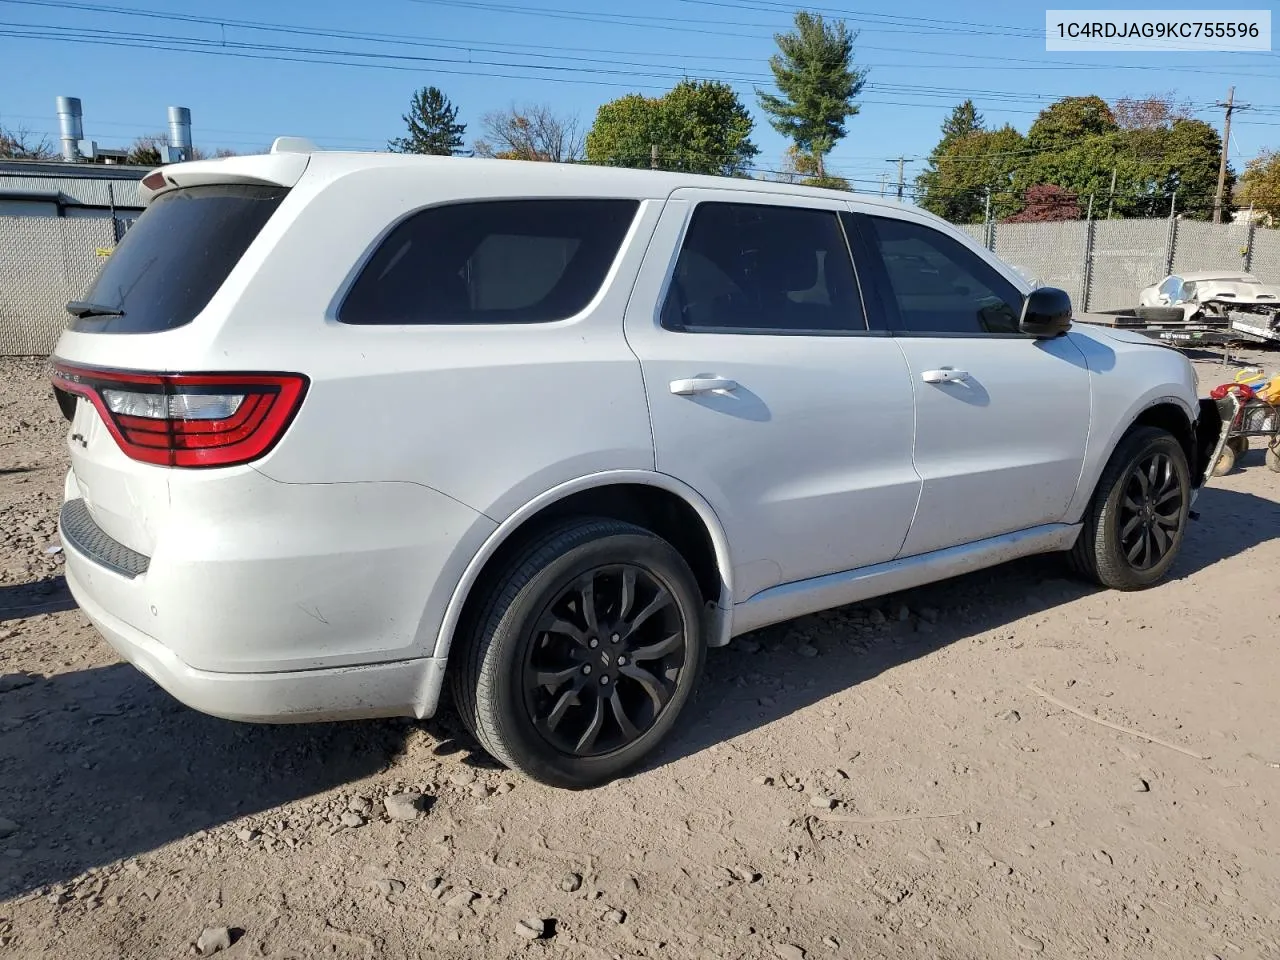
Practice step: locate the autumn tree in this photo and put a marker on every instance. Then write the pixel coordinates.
(1260, 185)
(151, 150)
(530, 132)
(1046, 202)
(696, 127)
(802, 168)
(817, 83)
(19, 143)
(1151, 112)
(433, 126)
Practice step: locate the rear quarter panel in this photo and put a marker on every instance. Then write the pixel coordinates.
(491, 416)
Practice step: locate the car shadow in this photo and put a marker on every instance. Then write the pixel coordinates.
(31, 599)
(100, 765)
(764, 676)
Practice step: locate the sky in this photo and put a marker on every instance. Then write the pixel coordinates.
(342, 73)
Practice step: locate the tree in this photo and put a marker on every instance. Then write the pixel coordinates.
(964, 120)
(19, 143)
(697, 127)
(433, 126)
(814, 73)
(1046, 202)
(963, 170)
(530, 132)
(1260, 185)
(802, 168)
(1154, 111)
(150, 150)
(969, 161)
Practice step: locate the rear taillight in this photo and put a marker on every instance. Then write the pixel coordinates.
(188, 419)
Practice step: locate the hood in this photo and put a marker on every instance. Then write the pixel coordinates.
(1237, 291)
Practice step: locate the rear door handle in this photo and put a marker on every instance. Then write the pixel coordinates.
(695, 385)
(945, 375)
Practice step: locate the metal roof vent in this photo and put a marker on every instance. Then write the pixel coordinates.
(179, 146)
(70, 127)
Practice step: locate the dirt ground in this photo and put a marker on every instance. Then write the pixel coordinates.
(974, 816)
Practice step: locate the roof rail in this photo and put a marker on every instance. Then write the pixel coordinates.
(293, 145)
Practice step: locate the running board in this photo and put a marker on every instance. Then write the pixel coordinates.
(791, 600)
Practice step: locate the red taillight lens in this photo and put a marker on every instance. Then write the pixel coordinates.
(189, 419)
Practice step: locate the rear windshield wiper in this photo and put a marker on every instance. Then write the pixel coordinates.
(83, 308)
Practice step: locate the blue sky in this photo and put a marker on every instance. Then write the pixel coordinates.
(925, 56)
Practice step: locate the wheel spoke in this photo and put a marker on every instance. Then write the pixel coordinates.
(1131, 504)
(1133, 552)
(1147, 547)
(1169, 523)
(624, 722)
(660, 602)
(1153, 473)
(1143, 482)
(588, 592)
(1168, 495)
(628, 592)
(1131, 526)
(663, 648)
(651, 684)
(1160, 539)
(567, 699)
(588, 738)
(553, 680)
(567, 629)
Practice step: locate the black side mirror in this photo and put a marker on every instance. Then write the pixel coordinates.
(1046, 312)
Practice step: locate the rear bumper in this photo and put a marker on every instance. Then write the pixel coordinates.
(408, 688)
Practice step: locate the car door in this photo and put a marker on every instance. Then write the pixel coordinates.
(1002, 418)
(767, 392)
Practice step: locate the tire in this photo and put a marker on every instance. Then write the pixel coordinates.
(1226, 463)
(1273, 458)
(1110, 549)
(533, 656)
(1161, 314)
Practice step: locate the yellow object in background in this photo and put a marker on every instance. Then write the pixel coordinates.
(1270, 392)
(1251, 376)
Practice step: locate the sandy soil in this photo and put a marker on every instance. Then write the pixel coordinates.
(973, 816)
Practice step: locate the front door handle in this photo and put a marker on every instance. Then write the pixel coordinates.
(945, 375)
(695, 385)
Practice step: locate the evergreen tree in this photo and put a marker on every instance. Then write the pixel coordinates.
(817, 80)
(433, 125)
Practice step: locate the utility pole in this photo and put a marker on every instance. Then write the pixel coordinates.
(653, 156)
(1229, 107)
(901, 183)
(1111, 196)
(884, 183)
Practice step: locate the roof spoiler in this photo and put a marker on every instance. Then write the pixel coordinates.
(282, 167)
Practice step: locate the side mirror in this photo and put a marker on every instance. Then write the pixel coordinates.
(1046, 312)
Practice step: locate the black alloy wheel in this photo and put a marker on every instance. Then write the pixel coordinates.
(605, 658)
(1152, 510)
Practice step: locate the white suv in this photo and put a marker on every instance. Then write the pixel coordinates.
(340, 420)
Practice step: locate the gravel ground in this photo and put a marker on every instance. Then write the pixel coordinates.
(933, 775)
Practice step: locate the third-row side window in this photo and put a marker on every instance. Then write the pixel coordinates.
(497, 261)
(763, 269)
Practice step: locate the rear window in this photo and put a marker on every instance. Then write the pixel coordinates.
(176, 256)
(493, 261)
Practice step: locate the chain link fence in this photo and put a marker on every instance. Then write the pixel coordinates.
(1102, 264)
(44, 262)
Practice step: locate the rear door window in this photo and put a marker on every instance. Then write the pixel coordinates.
(175, 257)
(491, 261)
